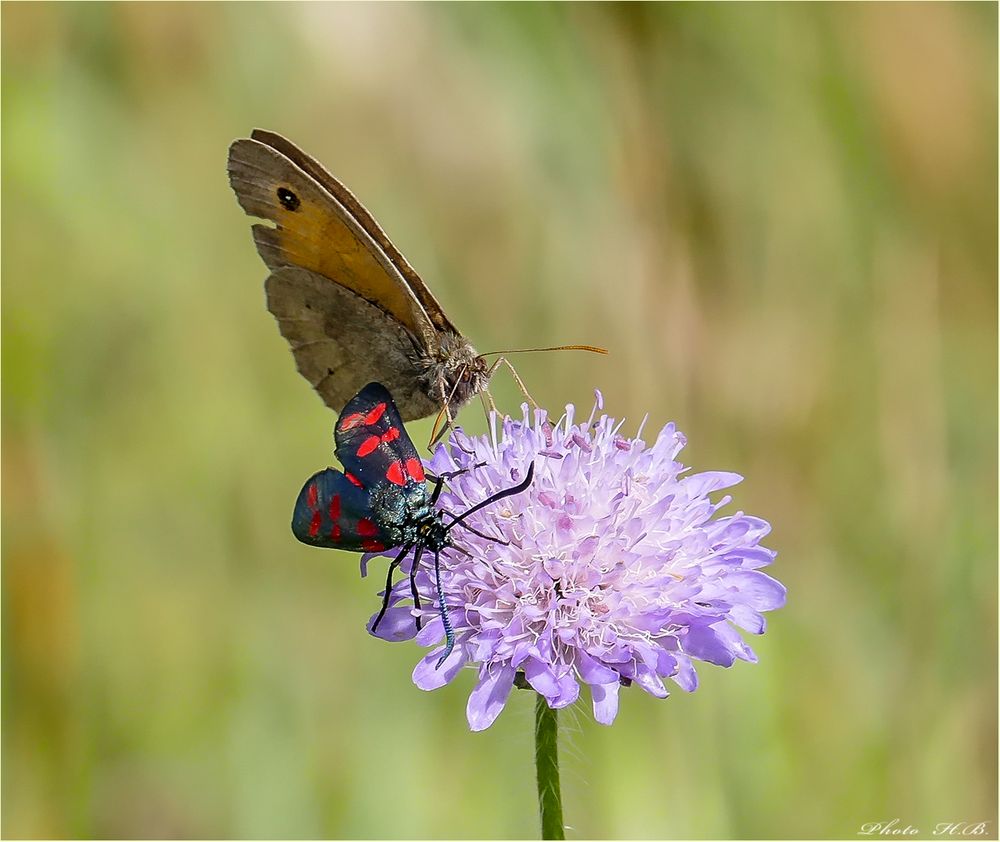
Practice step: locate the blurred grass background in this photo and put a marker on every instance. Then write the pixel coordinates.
(781, 219)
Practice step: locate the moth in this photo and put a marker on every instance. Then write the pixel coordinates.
(380, 501)
(349, 304)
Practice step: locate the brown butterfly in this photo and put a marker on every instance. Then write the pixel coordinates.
(351, 307)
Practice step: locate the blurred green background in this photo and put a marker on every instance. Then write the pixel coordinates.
(782, 220)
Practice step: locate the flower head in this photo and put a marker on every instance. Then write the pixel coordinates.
(616, 571)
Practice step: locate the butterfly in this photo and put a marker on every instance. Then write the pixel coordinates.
(380, 501)
(350, 306)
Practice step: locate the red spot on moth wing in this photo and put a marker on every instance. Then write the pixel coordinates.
(372, 546)
(335, 507)
(351, 421)
(314, 524)
(312, 495)
(353, 479)
(335, 532)
(375, 414)
(366, 528)
(392, 435)
(367, 446)
(395, 473)
(415, 468)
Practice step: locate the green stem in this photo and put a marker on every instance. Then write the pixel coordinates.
(547, 767)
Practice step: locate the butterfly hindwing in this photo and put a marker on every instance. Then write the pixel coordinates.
(372, 443)
(341, 341)
(332, 511)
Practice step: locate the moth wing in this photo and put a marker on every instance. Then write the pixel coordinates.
(372, 443)
(315, 231)
(332, 511)
(340, 341)
(360, 213)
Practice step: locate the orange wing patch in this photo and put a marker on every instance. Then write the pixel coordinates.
(314, 231)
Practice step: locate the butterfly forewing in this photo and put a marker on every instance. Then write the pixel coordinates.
(372, 444)
(314, 231)
(334, 511)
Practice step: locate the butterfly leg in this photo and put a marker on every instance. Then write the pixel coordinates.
(516, 376)
(388, 585)
(446, 409)
(449, 632)
(413, 582)
(489, 405)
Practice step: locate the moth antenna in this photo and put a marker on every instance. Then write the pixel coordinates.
(449, 632)
(476, 531)
(592, 348)
(507, 492)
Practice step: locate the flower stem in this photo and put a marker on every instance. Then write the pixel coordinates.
(547, 768)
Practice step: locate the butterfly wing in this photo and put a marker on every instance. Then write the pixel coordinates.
(341, 342)
(371, 442)
(332, 511)
(315, 231)
(323, 229)
(360, 213)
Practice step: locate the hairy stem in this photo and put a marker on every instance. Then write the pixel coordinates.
(547, 768)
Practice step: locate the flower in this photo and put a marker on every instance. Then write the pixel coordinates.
(617, 570)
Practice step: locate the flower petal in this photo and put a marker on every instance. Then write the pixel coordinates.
(593, 672)
(605, 697)
(397, 624)
(747, 619)
(427, 676)
(558, 690)
(698, 485)
(758, 590)
(489, 696)
(685, 677)
(718, 644)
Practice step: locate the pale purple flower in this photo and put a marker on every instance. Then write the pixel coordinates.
(618, 568)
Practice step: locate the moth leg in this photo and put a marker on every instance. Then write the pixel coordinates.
(447, 475)
(413, 582)
(438, 485)
(388, 585)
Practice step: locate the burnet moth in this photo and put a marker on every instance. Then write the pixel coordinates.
(381, 500)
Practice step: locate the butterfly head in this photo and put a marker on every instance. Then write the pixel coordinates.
(456, 372)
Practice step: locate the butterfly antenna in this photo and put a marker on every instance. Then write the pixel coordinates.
(592, 348)
(502, 360)
(413, 581)
(388, 585)
(507, 492)
(449, 632)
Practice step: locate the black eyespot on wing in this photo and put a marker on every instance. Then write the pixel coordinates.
(289, 201)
